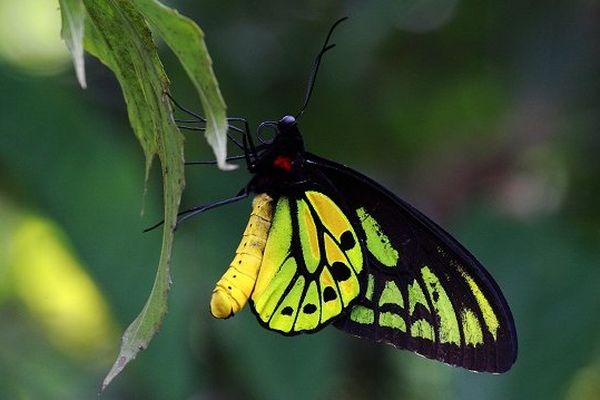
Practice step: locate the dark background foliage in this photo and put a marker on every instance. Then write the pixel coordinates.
(483, 114)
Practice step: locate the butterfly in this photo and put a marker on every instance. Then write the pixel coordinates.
(326, 245)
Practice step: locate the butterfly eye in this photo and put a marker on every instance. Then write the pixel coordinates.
(270, 126)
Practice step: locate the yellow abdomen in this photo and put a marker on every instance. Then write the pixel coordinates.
(237, 283)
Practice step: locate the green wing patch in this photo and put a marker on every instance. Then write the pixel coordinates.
(311, 265)
(377, 242)
(437, 309)
(444, 314)
(449, 330)
(428, 311)
(490, 318)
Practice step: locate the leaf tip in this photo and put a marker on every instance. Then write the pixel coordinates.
(116, 369)
(225, 166)
(80, 72)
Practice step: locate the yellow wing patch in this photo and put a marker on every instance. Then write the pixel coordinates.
(275, 293)
(309, 239)
(329, 308)
(277, 247)
(310, 275)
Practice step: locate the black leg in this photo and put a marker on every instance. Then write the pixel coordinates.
(191, 128)
(197, 129)
(199, 118)
(250, 141)
(200, 209)
(185, 110)
(250, 150)
(187, 121)
(230, 158)
(196, 120)
(249, 162)
(213, 162)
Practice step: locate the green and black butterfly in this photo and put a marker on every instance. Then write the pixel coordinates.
(328, 245)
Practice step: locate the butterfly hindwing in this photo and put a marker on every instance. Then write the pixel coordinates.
(424, 292)
(312, 265)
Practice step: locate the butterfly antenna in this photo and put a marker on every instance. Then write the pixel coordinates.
(313, 76)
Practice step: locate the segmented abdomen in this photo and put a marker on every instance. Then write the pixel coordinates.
(236, 285)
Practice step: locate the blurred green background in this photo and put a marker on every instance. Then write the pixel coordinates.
(485, 115)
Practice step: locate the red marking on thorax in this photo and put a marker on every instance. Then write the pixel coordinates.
(283, 162)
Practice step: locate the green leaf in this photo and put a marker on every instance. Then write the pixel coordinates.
(117, 34)
(73, 14)
(186, 40)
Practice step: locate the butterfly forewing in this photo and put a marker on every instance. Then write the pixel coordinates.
(424, 292)
(312, 265)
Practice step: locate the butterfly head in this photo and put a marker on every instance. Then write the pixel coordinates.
(284, 131)
(286, 122)
(288, 133)
(288, 138)
(282, 153)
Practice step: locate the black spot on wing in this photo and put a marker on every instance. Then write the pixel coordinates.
(347, 241)
(329, 294)
(340, 271)
(421, 312)
(434, 291)
(287, 311)
(309, 308)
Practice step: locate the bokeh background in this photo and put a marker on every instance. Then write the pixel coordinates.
(484, 114)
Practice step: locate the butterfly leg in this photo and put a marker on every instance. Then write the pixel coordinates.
(214, 162)
(250, 150)
(247, 135)
(201, 129)
(200, 119)
(183, 215)
(231, 158)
